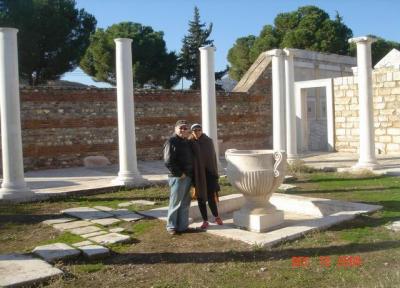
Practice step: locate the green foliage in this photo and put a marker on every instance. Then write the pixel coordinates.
(308, 28)
(151, 62)
(189, 58)
(53, 36)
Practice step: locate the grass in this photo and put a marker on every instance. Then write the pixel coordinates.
(156, 259)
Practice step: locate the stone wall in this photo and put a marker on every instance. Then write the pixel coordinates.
(386, 101)
(60, 127)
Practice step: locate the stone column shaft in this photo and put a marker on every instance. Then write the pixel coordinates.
(13, 187)
(291, 135)
(278, 100)
(367, 158)
(128, 174)
(208, 98)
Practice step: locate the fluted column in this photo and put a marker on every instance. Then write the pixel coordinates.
(367, 158)
(278, 99)
(291, 135)
(14, 187)
(128, 174)
(208, 99)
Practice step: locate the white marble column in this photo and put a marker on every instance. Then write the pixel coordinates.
(367, 158)
(208, 99)
(278, 99)
(128, 174)
(291, 135)
(13, 187)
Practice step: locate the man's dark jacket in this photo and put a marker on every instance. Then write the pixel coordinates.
(178, 156)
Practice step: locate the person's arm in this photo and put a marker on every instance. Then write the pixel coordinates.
(170, 159)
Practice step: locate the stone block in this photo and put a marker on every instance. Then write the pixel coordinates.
(56, 251)
(130, 217)
(94, 251)
(24, 270)
(93, 234)
(125, 204)
(86, 213)
(82, 243)
(103, 208)
(143, 202)
(259, 222)
(111, 238)
(84, 230)
(385, 139)
(393, 131)
(391, 147)
(106, 221)
(117, 230)
(58, 221)
(96, 161)
(287, 187)
(71, 225)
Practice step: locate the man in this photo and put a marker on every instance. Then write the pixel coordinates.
(178, 158)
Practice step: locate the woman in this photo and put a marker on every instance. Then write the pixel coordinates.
(205, 176)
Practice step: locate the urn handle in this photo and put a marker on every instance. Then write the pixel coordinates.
(278, 159)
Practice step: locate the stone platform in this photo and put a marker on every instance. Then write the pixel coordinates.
(301, 215)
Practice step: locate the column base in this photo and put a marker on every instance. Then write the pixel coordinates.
(368, 165)
(130, 179)
(258, 222)
(16, 194)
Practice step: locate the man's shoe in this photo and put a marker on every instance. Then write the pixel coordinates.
(171, 232)
(204, 226)
(218, 220)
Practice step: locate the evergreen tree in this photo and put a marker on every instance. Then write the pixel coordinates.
(189, 58)
(53, 36)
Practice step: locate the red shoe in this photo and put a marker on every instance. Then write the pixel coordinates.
(218, 220)
(204, 225)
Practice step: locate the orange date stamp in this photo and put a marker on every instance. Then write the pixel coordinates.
(343, 261)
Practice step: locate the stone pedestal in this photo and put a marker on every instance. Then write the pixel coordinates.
(258, 222)
(128, 174)
(367, 158)
(208, 98)
(14, 187)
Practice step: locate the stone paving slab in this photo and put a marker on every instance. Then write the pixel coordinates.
(58, 221)
(120, 212)
(287, 187)
(143, 202)
(84, 230)
(103, 208)
(71, 225)
(106, 221)
(56, 251)
(86, 213)
(395, 226)
(130, 217)
(93, 234)
(117, 230)
(23, 270)
(111, 238)
(94, 251)
(125, 204)
(83, 243)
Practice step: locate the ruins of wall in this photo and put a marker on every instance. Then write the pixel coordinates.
(386, 102)
(60, 127)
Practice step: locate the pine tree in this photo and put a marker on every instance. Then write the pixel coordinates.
(189, 58)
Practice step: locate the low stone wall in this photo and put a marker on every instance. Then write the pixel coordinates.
(60, 127)
(386, 101)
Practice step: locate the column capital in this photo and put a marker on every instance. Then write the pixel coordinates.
(275, 52)
(288, 52)
(9, 30)
(208, 48)
(123, 40)
(362, 39)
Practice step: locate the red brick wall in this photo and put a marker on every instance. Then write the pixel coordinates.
(60, 127)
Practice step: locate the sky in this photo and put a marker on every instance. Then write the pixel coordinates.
(234, 19)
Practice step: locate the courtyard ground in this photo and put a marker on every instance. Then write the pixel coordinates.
(359, 253)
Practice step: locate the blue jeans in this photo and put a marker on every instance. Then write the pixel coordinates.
(179, 203)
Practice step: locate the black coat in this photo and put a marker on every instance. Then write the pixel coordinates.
(178, 156)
